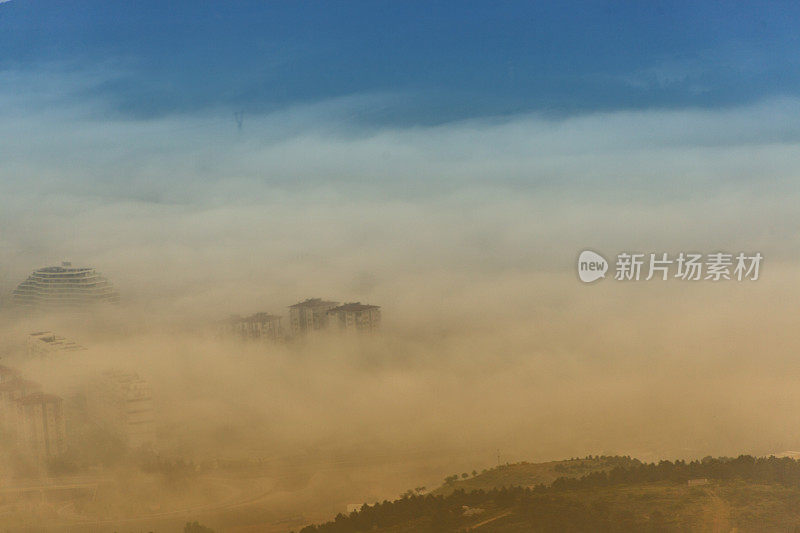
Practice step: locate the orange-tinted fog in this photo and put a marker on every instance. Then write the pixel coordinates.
(467, 237)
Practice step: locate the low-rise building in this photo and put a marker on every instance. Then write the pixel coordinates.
(45, 343)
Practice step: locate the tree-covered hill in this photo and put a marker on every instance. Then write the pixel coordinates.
(745, 493)
(532, 474)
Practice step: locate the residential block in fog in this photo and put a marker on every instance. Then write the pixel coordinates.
(40, 424)
(7, 373)
(309, 315)
(64, 286)
(44, 343)
(124, 400)
(256, 326)
(30, 418)
(13, 388)
(355, 317)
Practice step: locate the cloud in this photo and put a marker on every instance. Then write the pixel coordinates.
(310, 189)
(466, 234)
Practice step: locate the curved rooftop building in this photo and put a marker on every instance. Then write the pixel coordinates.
(64, 286)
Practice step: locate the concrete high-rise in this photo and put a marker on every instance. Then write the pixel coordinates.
(124, 401)
(64, 286)
(257, 326)
(355, 317)
(309, 315)
(41, 424)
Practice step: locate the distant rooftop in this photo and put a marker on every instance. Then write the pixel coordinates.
(314, 302)
(66, 266)
(353, 306)
(116, 373)
(7, 370)
(16, 384)
(55, 342)
(39, 397)
(257, 317)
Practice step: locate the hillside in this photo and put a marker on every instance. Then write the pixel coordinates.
(532, 474)
(743, 494)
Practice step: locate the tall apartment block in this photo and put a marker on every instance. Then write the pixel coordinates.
(40, 424)
(7, 373)
(30, 418)
(64, 286)
(309, 315)
(257, 326)
(124, 400)
(355, 317)
(12, 389)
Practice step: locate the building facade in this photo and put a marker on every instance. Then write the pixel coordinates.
(258, 326)
(46, 343)
(356, 317)
(40, 422)
(310, 315)
(124, 400)
(64, 286)
(12, 389)
(32, 420)
(7, 373)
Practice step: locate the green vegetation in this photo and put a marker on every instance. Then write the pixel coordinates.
(751, 494)
(532, 474)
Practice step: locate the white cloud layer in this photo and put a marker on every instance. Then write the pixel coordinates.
(306, 189)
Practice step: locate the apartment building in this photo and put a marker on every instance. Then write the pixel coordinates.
(64, 286)
(41, 430)
(124, 400)
(355, 317)
(257, 326)
(309, 315)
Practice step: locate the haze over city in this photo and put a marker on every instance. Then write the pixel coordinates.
(445, 165)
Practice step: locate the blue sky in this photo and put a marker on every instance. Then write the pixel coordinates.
(433, 62)
(518, 133)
